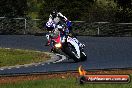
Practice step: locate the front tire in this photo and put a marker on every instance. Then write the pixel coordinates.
(83, 56)
(70, 51)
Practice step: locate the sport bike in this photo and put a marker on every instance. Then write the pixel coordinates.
(67, 45)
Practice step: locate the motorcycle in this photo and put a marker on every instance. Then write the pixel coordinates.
(67, 44)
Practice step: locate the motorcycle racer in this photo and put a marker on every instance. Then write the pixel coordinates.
(56, 22)
(57, 16)
(56, 19)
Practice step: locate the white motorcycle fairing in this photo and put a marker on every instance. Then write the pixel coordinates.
(74, 42)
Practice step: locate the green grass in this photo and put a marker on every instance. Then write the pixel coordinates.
(11, 57)
(61, 83)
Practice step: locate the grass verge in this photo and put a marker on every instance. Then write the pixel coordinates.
(59, 80)
(11, 57)
(62, 83)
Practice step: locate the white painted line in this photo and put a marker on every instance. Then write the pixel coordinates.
(39, 63)
(36, 65)
(7, 48)
(18, 67)
(1, 69)
(26, 66)
(42, 64)
(63, 58)
(53, 62)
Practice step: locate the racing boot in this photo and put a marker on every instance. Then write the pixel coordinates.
(47, 43)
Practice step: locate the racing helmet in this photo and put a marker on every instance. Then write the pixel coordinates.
(54, 13)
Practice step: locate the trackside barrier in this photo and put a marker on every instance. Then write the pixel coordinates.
(34, 26)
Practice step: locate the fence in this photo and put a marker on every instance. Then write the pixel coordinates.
(18, 26)
(103, 29)
(26, 26)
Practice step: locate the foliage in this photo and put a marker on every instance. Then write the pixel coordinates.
(88, 10)
(13, 8)
(124, 12)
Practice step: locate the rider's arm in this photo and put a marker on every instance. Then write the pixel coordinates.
(60, 14)
(50, 16)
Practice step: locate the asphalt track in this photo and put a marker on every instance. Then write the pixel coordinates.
(102, 53)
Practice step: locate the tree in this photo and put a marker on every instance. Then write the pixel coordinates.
(124, 4)
(73, 9)
(13, 8)
(124, 12)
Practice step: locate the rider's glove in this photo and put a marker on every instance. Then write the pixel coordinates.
(68, 23)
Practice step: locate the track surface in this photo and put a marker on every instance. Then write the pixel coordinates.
(102, 52)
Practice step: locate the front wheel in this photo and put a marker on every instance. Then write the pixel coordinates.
(83, 56)
(71, 52)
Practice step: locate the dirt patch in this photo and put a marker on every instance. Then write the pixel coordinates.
(63, 75)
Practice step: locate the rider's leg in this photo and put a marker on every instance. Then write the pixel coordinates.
(48, 39)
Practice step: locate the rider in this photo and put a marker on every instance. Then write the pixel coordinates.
(56, 19)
